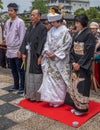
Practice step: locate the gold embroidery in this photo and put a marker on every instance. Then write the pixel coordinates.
(79, 48)
(80, 101)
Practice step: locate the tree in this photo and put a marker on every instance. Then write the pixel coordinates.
(79, 11)
(41, 5)
(98, 8)
(1, 7)
(93, 14)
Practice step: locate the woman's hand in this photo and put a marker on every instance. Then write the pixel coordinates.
(76, 66)
(50, 55)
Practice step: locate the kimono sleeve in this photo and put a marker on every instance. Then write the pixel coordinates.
(22, 31)
(23, 46)
(42, 40)
(86, 60)
(65, 47)
(72, 54)
(46, 46)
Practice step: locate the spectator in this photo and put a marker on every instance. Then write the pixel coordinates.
(47, 24)
(2, 50)
(96, 65)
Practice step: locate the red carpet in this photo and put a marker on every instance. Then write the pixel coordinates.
(62, 113)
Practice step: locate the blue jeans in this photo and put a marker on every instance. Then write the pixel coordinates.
(17, 72)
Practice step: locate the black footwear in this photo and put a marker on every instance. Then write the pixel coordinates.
(13, 89)
(20, 92)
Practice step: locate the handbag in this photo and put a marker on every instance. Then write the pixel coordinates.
(96, 57)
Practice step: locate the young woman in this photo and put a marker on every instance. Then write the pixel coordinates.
(55, 62)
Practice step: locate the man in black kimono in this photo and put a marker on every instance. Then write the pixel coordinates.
(31, 50)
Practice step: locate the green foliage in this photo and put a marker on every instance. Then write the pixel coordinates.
(93, 13)
(41, 5)
(98, 8)
(6, 17)
(1, 6)
(79, 11)
(26, 19)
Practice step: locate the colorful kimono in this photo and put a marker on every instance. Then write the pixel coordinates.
(82, 52)
(56, 71)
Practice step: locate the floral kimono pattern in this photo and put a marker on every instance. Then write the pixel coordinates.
(56, 72)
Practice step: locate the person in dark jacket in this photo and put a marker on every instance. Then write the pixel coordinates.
(81, 55)
(31, 50)
(96, 64)
(2, 48)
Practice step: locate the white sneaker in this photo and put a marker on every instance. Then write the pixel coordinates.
(57, 105)
(73, 110)
(77, 113)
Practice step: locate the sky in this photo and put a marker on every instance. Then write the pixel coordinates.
(95, 2)
(23, 4)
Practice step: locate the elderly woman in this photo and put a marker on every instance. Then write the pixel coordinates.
(94, 28)
(81, 54)
(55, 62)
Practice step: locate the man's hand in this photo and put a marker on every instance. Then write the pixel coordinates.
(23, 57)
(19, 54)
(39, 60)
(3, 42)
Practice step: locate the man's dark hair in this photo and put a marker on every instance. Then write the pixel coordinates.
(14, 6)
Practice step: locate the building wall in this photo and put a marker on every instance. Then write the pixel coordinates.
(68, 5)
(79, 4)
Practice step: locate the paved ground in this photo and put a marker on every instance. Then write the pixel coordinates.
(13, 117)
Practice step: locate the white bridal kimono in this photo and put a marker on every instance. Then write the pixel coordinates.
(56, 72)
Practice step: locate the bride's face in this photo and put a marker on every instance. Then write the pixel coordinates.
(55, 24)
